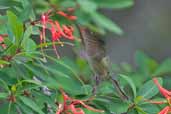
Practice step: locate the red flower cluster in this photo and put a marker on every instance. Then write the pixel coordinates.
(70, 106)
(167, 95)
(57, 31)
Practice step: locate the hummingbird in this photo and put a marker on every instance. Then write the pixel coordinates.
(98, 60)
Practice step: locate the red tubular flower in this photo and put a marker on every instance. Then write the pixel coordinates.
(167, 95)
(44, 21)
(56, 34)
(68, 32)
(65, 31)
(58, 27)
(74, 110)
(55, 37)
(70, 17)
(165, 110)
(69, 106)
(163, 91)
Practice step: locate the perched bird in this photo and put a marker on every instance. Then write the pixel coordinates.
(97, 58)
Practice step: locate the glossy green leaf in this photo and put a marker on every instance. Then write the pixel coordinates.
(67, 3)
(42, 99)
(6, 4)
(116, 4)
(87, 6)
(4, 62)
(150, 108)
(29, 45)
(140, 110)
(118, 107)
(27, 11)
(106, 88)
(27, 34)
(106, 23)
(90, 112)
(146, 64)
(149, 89)
(164, 68)
(130, 82)
(24, 108)
(3, 95)
(16, 26)
(30, 103)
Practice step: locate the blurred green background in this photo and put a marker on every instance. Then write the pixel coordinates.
(146, 27)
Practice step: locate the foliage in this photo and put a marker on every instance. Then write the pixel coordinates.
(34, 81)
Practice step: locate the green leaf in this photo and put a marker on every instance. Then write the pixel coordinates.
(150, 108)
(67, 3)
(149, 89)
(106, 23)
(146, 64)
(30, 103)
(42, 99)
(106, 88)
(138, 99)
(56, 72)
(4, 62)
(3, 95)
(11, 50)
(66, 83)
(34, 70)
(87, 6)
(16, 26)
(126, 67)
(120, 107)
(3, 7)
(96, 29)
(31, 82)
(30, 45)
(130, 82)
(4, 83)
(140, 110)
(116, 4)
(27, 34)
(5, 4)
(25, 14)
(24, 108)
(27, 11)
(4, 107)
(90, 112)
(164, 68)
(64, 64)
